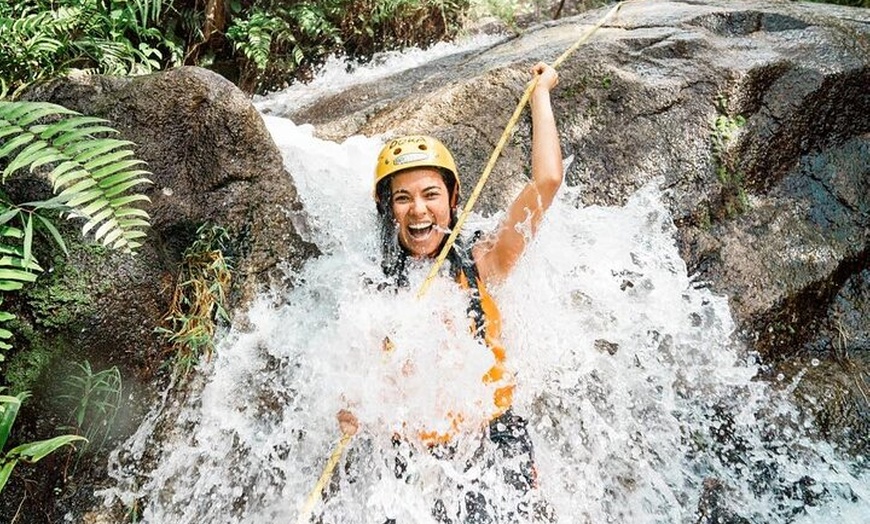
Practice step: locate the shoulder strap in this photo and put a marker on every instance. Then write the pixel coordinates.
(475, 308)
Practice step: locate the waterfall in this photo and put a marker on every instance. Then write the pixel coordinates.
(641, 403)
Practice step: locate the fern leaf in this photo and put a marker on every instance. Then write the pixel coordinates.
(131, 211)
(121, 177)
(86, 150)
(120, 188)
(68, 178)
(74, 123)
(95, 206)
(14, 144)
(118, 166)
(29, 112)
(107, 226)
(84, 197)
(91, 176)
(78, 133)
(77, 188)
(133, 222)
(109, 158)
(123, 201)
(6, 129)
(25, 157)
(97, 218)
(113, 236)
(55, 234)
(17, 275)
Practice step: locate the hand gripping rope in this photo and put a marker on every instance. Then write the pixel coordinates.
(314, 496)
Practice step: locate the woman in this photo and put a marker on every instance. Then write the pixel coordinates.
(417, 194)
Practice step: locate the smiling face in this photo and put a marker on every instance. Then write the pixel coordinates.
(420, 202)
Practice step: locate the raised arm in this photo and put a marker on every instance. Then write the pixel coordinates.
(497, 255)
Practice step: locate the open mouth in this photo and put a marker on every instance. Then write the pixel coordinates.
(420, 231)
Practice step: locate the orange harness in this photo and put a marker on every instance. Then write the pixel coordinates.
(489, 331)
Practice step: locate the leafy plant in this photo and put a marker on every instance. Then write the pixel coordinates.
(29, 452)
(44, 38)
(96, 397)
(199, 299)
(91, 177)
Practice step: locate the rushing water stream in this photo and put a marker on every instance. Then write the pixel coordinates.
(641, 406)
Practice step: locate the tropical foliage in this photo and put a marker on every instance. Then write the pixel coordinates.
(90, 174)
(260, 44)
(29, 452)
(198, 302)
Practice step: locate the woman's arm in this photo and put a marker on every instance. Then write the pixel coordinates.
(497, 255)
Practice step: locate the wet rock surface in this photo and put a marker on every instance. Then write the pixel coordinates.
(212, 162)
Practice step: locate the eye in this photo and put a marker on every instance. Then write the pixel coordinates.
(432, 194)
(401, 199)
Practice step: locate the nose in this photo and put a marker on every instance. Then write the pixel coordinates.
(419, 207)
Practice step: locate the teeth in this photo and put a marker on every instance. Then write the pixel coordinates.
(420, 226)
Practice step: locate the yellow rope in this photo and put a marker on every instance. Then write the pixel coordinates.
(508, 130)
(314, 496)
(305, 515)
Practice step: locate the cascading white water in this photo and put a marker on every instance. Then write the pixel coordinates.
(639, 402)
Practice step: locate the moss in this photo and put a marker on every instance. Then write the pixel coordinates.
(26, 366)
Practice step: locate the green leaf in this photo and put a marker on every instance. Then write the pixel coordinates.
(6, 471)
(118, 166)
(96, 219)
(108, 159)
(6, 316)
(123, 201)
(28, 240)
(14, 144)
(113, 236)
(9, 215)
(133, 222)
(5, 333)
(131, 211)
(93, 207)
(10, 231)
(70, 177)
(7, 416)
(74, 123)
(120, 177)
(15, 274)
(6, 285)
(85, 197)
(6, 129)
(55, 234)
(40, 110)
(92, 148)
(120, 188)
(36, 451)
(25, 157)
(105, 228)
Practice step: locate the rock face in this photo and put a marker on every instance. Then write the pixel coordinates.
(213, 161)
(754, 115)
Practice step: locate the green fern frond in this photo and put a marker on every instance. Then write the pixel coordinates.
(92, 176)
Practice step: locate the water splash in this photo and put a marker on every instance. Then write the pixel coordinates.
(641, 406)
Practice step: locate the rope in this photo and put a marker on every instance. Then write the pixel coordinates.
(314, 497)
(508, 130)
(305, 515)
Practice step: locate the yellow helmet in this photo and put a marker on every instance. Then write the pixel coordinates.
(414, 151)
